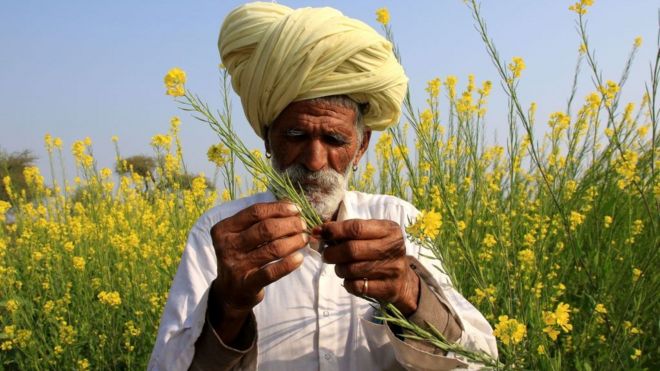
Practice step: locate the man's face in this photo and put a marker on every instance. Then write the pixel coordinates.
(316, 143)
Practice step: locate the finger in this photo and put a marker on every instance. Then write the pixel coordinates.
(364, 250)
(383, 290)
(269, 230)
(273, 272)
(277, 249)
(257, 212)
(375, 269)
(357, 229)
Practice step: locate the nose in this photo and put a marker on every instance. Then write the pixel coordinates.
(315, 156)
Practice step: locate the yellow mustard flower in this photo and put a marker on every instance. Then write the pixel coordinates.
(489, 240)
(636, 273)
(78, 263)
(450, 84)
(83, 364)
(509, 331)
(161, 141)
(226, 195)
(4, 207)
(112, 298)
(383, 16)
(540, 349)
(516, 66)
(174, 82)
(636, 354)
(582, 49)
(427, 225)
(433, 87)
(581, 6)
(11, 305)
(575, 219)
(563, 316)
(526, 257)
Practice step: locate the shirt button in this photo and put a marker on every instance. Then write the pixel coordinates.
(326, 313)
(327, 356)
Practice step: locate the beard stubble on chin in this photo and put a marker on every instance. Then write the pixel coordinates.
(324, 188)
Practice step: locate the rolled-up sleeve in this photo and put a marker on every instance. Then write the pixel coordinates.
(211, 353)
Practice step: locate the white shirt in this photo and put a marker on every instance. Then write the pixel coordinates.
(307, 320)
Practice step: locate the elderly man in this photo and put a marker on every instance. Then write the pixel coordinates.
(254, 289)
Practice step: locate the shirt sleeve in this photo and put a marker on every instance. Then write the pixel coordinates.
(432, 310)
(477, 334)
(211, 353)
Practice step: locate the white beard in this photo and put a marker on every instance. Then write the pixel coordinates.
(327, 190)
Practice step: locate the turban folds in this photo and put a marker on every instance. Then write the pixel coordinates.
(277, 55)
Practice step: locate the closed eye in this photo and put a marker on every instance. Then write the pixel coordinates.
(295, 133)
(336, 139)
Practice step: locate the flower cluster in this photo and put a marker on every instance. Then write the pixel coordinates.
(174, 82)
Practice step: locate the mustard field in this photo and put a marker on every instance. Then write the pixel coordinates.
(553, 238)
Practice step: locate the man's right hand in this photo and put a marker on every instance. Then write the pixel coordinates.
(255, 247)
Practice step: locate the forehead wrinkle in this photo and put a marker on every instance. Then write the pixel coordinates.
(323, 123)
(320, 117)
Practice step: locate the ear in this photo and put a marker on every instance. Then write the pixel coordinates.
(363, 146)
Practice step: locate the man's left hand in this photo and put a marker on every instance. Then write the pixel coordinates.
(370, 255)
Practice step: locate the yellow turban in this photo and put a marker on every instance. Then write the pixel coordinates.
(277, 55)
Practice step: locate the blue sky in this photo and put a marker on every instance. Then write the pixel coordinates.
(87, 68)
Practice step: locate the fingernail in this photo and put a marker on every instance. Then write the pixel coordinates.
(293, 208)
(297, 257)
(305, 237)
(303, 224)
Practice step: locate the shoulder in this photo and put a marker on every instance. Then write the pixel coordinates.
(227, 209)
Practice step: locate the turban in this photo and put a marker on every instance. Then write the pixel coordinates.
(277, 55)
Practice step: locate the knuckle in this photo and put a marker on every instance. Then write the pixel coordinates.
(395, 249)
(217, 232)
(288, 266)
(297, 224)
(393, 226)
(220, 243)
(356, 227)
(255, 212)
(266, 229)
(273, 250)
(400, 248)
(270, 273)
(400, 267)
(352, 249)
